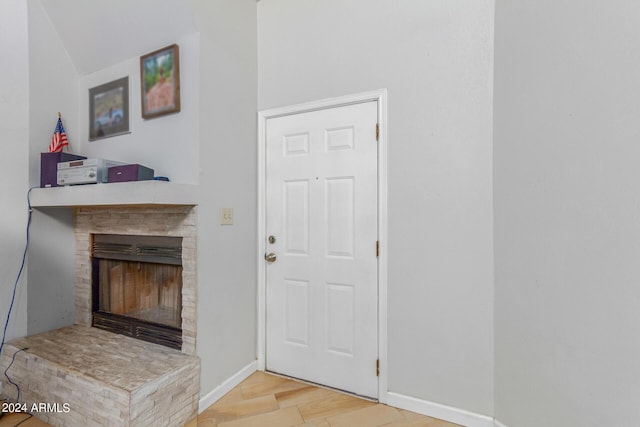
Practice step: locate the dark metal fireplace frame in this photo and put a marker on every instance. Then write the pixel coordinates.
(148, 249)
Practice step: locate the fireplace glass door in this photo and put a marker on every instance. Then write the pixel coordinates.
(144, 291)
(137, 286)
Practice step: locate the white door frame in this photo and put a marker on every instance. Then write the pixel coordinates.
(380, 96)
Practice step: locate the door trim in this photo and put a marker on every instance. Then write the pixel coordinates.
(379, 96)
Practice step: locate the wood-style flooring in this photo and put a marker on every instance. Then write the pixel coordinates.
(22, 420)
(265, 400)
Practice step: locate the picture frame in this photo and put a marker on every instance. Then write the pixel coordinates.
(109, 109)
(160, 82)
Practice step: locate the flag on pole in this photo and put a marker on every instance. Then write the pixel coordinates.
(59, 138)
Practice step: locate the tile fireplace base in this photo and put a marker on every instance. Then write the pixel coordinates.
(83, 376)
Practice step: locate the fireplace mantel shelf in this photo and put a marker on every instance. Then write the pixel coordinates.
(116, 194)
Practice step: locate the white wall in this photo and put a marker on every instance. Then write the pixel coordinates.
(97, 36)
(167, 144)
(436, 60)
(567, 210)
(227, 254)
(14, 127)
(52, 89)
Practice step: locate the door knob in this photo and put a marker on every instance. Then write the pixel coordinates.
(270, 257)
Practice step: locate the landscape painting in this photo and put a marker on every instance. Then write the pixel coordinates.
(109, 109)
(160, 82)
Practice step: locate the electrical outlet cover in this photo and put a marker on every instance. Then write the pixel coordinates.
(226, 216)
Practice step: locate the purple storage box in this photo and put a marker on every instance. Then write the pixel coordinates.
(126, 173)
(49, 167)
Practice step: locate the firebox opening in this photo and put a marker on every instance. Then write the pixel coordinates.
(137, 287)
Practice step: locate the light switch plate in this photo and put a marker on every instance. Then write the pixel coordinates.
(226, 216)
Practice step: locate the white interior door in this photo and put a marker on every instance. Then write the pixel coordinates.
(322, 229)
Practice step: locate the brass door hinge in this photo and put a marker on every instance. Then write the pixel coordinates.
(377, 367)
(377, 248)
(377, 132)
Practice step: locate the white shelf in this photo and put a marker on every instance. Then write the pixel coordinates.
(113, 194)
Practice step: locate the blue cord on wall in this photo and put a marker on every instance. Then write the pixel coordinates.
(24, 260)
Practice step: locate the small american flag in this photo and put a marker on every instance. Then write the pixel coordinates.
(59, 138)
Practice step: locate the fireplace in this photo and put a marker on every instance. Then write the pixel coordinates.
(137, 286)
(161, 221)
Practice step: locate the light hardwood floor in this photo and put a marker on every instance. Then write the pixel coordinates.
(22, 420)
(265, 400)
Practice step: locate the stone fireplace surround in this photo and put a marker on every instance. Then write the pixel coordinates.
(109, 379)
(179, 221)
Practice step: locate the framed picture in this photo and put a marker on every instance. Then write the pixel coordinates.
(160, 82)
(109, 109)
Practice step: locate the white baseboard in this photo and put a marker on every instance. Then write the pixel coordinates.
(224, 388)
(437, 410)
(424, 407)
